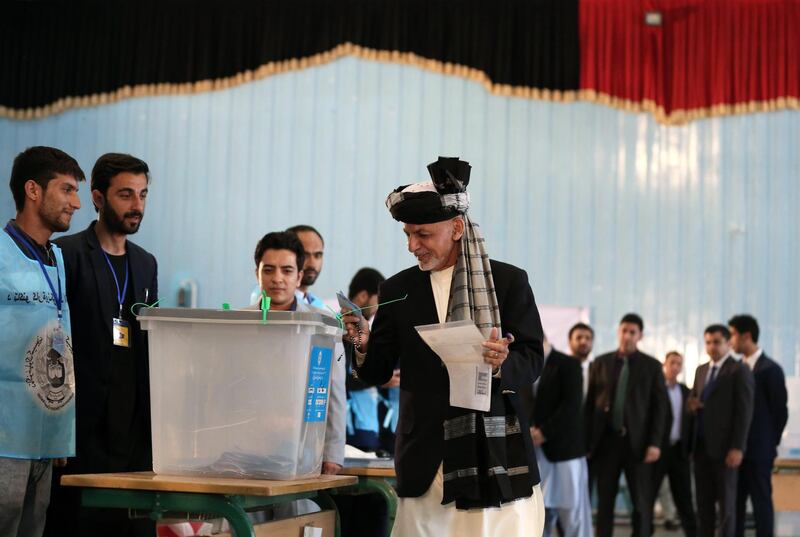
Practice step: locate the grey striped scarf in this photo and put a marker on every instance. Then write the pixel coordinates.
(472, 294)
(485, 463)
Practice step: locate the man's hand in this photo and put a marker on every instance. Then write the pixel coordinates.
(537, 436)
(356, 331)
(734, 458)
(496, 350)
(60, 462)
(331, 468)
(652, 454)
(394, 381)
(694, 404)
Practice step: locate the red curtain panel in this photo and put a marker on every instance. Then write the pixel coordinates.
(694, 58)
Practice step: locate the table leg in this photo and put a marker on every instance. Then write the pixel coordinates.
(382, 487)
(325, 501)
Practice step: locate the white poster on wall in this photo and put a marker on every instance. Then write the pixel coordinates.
(557, 320)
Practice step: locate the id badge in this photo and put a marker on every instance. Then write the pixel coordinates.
(121, 333)
(58, 340)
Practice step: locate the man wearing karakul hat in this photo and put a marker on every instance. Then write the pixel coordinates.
(460, 472)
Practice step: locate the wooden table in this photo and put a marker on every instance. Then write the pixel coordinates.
(374, 481)
(222, 497)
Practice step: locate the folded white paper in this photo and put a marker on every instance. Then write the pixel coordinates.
(311, 531)
(459, 345)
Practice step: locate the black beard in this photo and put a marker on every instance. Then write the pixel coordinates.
(309, 279)
(116, 224)
(50, 218)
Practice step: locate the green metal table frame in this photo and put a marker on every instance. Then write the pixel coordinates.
(233, 508)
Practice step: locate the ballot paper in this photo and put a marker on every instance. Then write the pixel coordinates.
(459, 345)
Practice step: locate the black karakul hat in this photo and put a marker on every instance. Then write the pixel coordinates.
(443, 198)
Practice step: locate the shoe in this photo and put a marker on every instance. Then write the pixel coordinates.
(671, 525)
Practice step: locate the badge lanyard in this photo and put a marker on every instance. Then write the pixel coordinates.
(120, 295)
(58, 297)
(58, 336)
(120, 332)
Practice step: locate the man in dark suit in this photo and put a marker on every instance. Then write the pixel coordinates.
(770, 413)
(675, 448)
(557, 430)
(722, 401)
(626, 416)
(106, 275)
(459, 471)
(581, 340)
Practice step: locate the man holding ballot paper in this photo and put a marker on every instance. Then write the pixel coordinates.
(465, 461)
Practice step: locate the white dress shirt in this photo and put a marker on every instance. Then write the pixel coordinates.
(752, 360)
(676, 401)
(718, 365)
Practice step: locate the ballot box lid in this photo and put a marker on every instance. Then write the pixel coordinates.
(241, 316)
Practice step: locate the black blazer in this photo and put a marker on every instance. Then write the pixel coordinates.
(91, 304)
(424, 384)
(770, 411)
(645, 415)
(728, 408)
(558, 408)
(687, 423)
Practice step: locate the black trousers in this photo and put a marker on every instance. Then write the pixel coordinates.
(674, 464)
(67, 518)
(715, 485)
(755, 481)
(613, 456)
(363, 515)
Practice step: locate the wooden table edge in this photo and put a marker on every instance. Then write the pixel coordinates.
(366, 471)
(148, 481)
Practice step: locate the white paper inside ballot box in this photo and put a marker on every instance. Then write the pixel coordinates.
(459, 345)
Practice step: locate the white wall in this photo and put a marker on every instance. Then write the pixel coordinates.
(686, 225)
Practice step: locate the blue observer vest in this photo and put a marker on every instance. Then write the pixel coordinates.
(37, 382)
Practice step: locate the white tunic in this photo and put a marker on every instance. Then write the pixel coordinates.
(564, 482)
(427, 517)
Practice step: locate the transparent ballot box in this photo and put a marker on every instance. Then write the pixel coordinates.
(234, 396)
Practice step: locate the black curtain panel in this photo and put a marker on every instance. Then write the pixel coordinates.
(50, 50)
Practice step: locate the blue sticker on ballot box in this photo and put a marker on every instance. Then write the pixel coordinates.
(319, 374)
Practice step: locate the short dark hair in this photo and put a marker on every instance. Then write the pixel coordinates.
(281, 240)
(672, 353)
(718, 329)
(300, 228)
(366, 279)
(40, 164)
(110, 165)
(745, 324)
(633, 318)
(580, 326)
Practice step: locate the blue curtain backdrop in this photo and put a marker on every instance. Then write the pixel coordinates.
(686, 225)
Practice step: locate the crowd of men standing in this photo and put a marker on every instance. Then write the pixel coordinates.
(590, 420)
(633, 416)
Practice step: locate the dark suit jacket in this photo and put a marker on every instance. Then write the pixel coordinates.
(558, 407)
(770, 411)
(728, 407)
(424, 384)
(645, 415)
(687, 423)
(89, 284)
